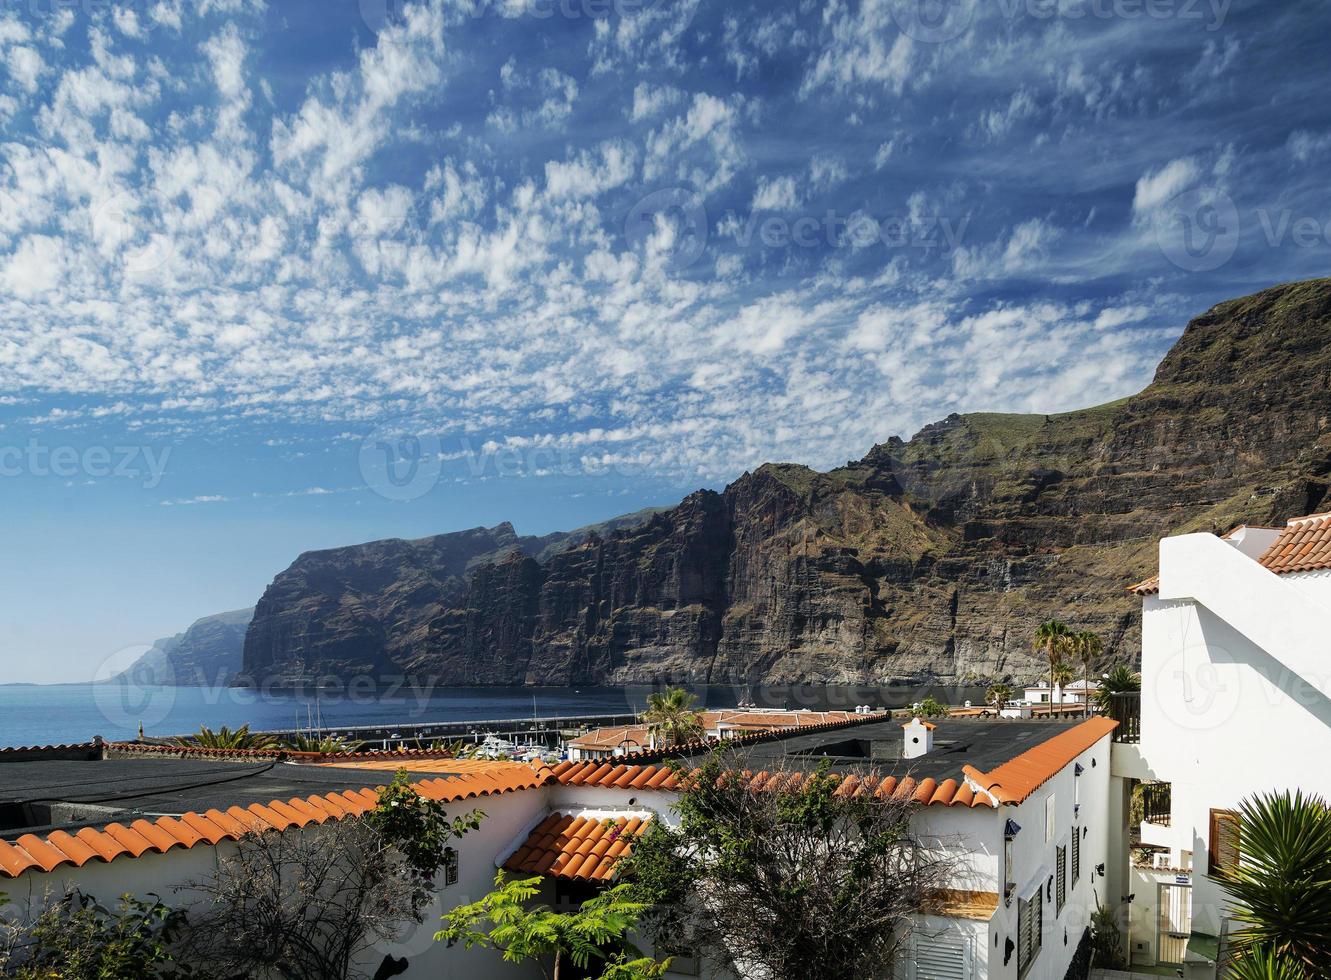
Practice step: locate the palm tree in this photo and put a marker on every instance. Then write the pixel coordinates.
(1062, 675)
(1087, 647)
(1120, 680)
(225, 738)
(673, 715)
(1282, 884)
(1053, 639)
(998, 695)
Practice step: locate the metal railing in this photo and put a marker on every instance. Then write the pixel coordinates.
(1126, 709)
(1156, 803)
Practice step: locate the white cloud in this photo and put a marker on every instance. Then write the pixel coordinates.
(775, 195)
(1159, 186)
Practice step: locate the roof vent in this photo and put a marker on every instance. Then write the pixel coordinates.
(919, 738)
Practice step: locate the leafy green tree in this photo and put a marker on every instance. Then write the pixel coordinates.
(998, 695)
(931, 707)
(1282, 884)
(421, 829)
(785, 876)
(1054, 640)
(505, 921)
(673, 715)
(77, 938)
(225, 738)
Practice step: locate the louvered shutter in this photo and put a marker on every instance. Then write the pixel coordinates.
(1030, 928)
(1061, 879)
(1224, 851)
(941, 958)
(1076, 856)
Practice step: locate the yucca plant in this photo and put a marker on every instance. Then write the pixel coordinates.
(1282, 885)
(1263, 964)
(225, 738)
(998, 695)
(326, 745)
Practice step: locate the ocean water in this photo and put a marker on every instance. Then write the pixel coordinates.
(68, 713)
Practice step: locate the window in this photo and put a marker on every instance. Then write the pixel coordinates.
(1030, 928)
(450, 866)
(1224, 843)
(1061, 876)
(1076, 856)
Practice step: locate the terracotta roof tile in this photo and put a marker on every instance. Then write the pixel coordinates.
(1303, 546)
(1150, 586)
(30, 852)
(581, 848)
(1018, 778)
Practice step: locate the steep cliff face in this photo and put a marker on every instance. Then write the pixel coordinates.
(209, 653)
(932, 558)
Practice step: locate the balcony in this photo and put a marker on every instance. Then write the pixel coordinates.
(1126, 709)
(1156, 803)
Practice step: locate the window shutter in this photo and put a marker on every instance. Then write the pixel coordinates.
(1030, 928)
(1061, 878)
(1076, 856)
(1224, 851)
(940, 959)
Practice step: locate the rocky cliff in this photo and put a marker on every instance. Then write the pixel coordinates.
(208, 653)
(928, 559)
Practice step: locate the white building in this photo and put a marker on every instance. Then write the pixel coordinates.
(1236, 701)
(1025, 821)
(1073, 693)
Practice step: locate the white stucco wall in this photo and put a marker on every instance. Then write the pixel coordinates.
(1034, 859)
(1234, 702)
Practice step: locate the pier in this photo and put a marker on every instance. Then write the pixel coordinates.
(549, 732)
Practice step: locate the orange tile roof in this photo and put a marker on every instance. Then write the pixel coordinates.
(950, 792)
(1150, 586)
(1016, 779)
(442, 767)
(579, 848)
(1303, 546)
(165, 833)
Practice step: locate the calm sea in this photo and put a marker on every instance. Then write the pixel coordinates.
(67, 713)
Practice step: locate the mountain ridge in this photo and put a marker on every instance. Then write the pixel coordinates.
(929, 558)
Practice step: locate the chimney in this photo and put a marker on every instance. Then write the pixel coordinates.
(919, 738)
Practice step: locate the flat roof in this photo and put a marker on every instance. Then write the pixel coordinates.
(984, 743)
(96, 792)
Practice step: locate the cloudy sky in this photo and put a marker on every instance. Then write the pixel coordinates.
(286, 276)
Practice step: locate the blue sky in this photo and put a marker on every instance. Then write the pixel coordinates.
(287, 276)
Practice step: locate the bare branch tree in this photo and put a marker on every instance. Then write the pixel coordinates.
(791, 876)
(304, 904)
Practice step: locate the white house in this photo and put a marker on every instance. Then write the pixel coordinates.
(1025, 821)
(1072, 693)
(1236, 700)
